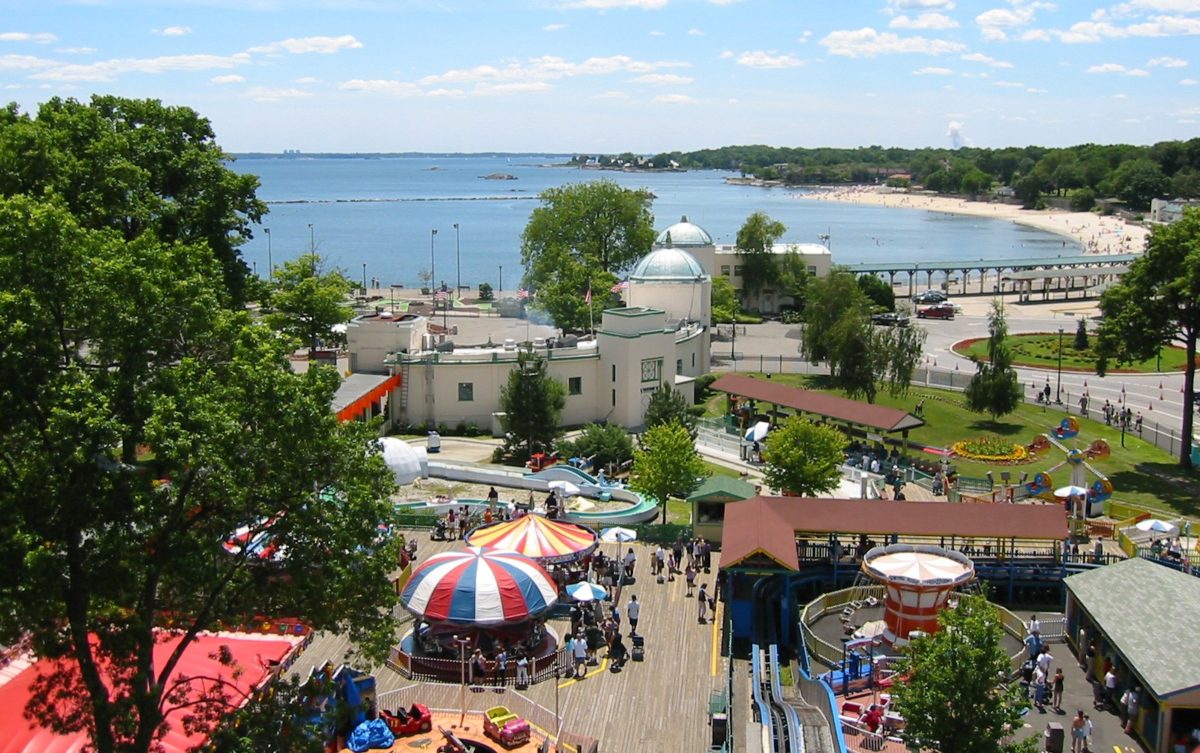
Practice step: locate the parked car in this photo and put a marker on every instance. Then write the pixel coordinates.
(931, 296)
(937, 311)
(890, 319)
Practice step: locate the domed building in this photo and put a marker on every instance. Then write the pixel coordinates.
(692, 238)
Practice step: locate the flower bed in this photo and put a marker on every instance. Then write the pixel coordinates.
(990, 449)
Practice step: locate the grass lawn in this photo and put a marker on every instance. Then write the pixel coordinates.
(1041, 350)
(678, 512)
(1140, 472)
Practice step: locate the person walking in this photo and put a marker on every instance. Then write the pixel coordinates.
(523, 671)
(1039, 689)
(702, 602)
(690, 574)
(1130, 700)
(1056, 690)
(634, 610)
(1078, 738)
(580, 652)
(1087, 733)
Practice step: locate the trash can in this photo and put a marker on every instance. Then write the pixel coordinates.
(1054, 738)
(434, 442)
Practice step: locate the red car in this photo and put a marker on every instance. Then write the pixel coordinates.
(416, 719)
(937, 311)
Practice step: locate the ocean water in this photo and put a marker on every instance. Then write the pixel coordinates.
(380, 213)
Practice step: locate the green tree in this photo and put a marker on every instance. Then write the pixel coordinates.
(276, 720)
(309, 300)
(668, 405)
(976, 182)
(724, 300)
(583, 235)
(1155, 304)
(1081, 335)
(955, 697)
(793, 277)
(134, 166)
(666, 464)
(1082, 199)
(755, 242)
(995, 388)
(827, 300)
(1138, 181)
(803, 459)
(604, 443)
(143, 423)
(532, 402)
(878, 291)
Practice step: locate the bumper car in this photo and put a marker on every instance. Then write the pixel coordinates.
(505, 727)
(410, 722)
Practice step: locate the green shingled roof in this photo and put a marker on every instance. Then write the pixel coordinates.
(722, 486)
(1150, 613)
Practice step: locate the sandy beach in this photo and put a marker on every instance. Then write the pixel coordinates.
(1095, 233)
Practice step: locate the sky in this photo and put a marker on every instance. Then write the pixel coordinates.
(605, 76)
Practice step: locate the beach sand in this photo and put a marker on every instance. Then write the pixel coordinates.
(1095, 233)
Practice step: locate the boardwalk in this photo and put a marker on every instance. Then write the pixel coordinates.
(657, 704)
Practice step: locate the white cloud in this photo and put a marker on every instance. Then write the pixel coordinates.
(381, 86)
(108, 70)
(1035, 35)
(867, 42)
(948, 87)
(554, 27)
(1156, 26)
(40, 37)
(514, 87)
(547, 68)
(726, 54)
(662, 79)
(1010, 84)
(1164, 6)
(230, 78)
(763, 59)
(611, 95)
(1167, 62)
(897, 6)
(695, 33)
(1119, 96)
(724, 2)
(75, 50)
(448, 93)
(997, 24)
(1034, 90)
(930, 70)
(1188, 82)
(308, 80)
(1117, 68)
(804, 37)
(173, 31)
(266, 94)
(924, 21)
(675, 99)
(24, 63)
(657, 33)
(304, 45)
(979, 57)
(610, 4)
(1136, 72)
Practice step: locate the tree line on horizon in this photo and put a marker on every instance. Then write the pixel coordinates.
(1083, 173)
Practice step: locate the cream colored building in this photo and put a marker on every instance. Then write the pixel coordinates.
(725, 260)
(660, 337)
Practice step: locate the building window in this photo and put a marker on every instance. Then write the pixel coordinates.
(678, 365)
(693, 360)
(725, 269)
(737, 271)
(652, 370)
(466, 392)
(614, 376)
(575, 386)
(614, 398)
(812, 270)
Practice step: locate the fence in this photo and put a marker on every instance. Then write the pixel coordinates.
(477, 700)
(435, 668)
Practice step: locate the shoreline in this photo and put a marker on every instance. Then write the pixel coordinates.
(1094, 233)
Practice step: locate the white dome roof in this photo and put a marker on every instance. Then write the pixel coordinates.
(685, 234)
(667, 265)
(406, 462)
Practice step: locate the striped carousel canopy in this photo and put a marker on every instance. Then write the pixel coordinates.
(547, 541)
(478, 587)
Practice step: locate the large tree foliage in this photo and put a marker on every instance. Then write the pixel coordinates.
(995, 388)
(803, 459)
(954, 697)
(756, 242)
(1157, 303)
(142, 423)
(581, 237)
(669, 405)
(861, 356)
(666, 465)
(605, 444)
(532, 402)
(134, 166)
(309, 299)
(724, 300)
(879, 292)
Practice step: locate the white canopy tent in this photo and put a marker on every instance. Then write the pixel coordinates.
(407, 463)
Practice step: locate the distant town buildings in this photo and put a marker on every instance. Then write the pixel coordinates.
(1167, 211)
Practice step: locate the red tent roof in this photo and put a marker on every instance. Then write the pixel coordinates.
(253, 653)
(838, 408)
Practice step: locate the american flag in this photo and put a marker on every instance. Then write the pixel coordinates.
(620, 286)
(587, 298)
(440, 295)
(522, 294)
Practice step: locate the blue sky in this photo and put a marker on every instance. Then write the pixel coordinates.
(615, 75)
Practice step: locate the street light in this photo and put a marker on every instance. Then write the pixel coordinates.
(458, 261)
(364, 278)
(462, 665)
(500, 287)
(270, 264)
(312, 250)
(1058, 394)
(432, 260)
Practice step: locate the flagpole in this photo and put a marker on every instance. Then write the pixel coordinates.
(591, 322)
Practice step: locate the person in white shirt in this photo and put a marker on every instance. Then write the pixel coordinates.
(1035, 627)
(1043, 661)
(634, 610)
(630, 562)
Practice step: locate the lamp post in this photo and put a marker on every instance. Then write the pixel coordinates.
(500, 286)
(432, 260)
(557, 714)
(462, 666)
(312, 250)
(364, 278)
(1058, 393)
(270, 264)
(457, 261)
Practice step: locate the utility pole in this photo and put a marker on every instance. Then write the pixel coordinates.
(458, 261)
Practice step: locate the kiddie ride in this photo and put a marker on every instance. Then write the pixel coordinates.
(505, 727)
(414, 720)
(1100, 489)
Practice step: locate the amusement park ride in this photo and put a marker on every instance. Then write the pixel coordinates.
(1042, 484)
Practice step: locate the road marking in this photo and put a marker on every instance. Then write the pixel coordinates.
(599, 668)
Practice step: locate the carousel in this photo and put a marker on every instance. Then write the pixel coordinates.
(490, 600)
(545, 541)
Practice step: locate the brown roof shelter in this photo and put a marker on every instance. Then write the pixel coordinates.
(767, 526)
(878, 417)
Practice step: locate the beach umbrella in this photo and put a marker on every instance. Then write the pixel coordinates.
(618, 535)
(547, 541)
(1154, 525)
(566, 487)
(586, 591)
(758, 432)
(1070, 491)
(479, 587)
